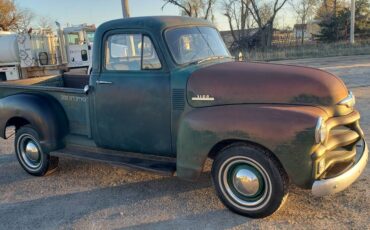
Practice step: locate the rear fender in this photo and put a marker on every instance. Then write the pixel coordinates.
(287, 131)
(43, 112)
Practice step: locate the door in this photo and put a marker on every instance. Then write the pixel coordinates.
(77, 50)
(132, 97)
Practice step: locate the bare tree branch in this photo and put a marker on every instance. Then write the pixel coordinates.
(303, 9)
(264, 13)
(209, 8)
(176, 3)
(194, 8)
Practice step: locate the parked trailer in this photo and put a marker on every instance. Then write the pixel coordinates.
(43, 52)
(25, 55)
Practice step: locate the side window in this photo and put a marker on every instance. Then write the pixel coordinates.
(123, 52)
(150, 58)
(130, 52)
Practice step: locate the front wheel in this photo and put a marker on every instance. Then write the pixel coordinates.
(29, 153)
(249, 181)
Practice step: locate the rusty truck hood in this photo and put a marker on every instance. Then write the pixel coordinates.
(241, 82)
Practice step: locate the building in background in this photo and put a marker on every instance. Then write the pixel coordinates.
(308, 30)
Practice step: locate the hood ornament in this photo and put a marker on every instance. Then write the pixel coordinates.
(203, 98)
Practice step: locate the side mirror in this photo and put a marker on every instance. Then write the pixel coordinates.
(86, 89)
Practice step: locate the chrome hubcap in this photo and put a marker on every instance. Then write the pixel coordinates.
(30, 151)
(246, 181)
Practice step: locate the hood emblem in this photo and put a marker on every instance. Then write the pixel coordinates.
(203, 98)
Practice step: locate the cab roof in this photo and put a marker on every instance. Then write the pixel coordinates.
(153, 23)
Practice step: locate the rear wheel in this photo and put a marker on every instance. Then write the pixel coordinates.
(249, 181)
(30, 155)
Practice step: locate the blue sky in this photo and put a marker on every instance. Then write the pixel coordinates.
(92, 11)
(97, 11)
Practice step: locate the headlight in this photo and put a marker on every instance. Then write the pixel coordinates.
(321, 131)
(349, 101)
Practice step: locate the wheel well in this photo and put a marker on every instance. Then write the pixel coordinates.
(17, 122)
(221, 145)
(226, 143)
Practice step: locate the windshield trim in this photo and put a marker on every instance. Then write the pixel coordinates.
(189, 26)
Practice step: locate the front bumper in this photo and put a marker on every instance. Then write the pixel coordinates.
(339, 183)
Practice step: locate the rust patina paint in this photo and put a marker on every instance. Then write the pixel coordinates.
(276, 106)
(287, 131)
(240, 82)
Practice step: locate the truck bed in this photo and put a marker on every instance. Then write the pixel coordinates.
(66, 89)
(60, 81)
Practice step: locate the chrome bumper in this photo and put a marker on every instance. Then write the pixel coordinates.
(339, 183)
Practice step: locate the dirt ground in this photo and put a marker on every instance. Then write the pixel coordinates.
(86, 195)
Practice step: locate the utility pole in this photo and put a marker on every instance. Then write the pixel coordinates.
(125, 9)
(353, 13)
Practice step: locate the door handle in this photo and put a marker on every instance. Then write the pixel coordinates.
(104, 82)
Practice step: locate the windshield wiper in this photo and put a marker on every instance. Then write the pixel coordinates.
(207, 59)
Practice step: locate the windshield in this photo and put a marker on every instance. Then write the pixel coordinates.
(192, 44)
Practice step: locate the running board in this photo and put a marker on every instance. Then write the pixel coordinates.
(161, 165)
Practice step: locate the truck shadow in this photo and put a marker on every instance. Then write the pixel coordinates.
(10, 170)
(146, 202)
(205, 220)
(62, 210)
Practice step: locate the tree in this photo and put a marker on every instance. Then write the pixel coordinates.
(362, 23)
(13, 18)
(303, 9)
(8, 15)
(328, 14)
(329, 8)
(238, 17)
(194, 8)
(264, 13)
(45, 23)
(334, 19)
(336, 27)
(25, 20)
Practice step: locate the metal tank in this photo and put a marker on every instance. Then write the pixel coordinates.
(9, 52)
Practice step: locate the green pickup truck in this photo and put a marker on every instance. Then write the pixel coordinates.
(165, 95)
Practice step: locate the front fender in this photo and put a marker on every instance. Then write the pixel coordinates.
(43, 112)
(287, 131)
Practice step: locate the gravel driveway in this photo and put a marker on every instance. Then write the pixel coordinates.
(86, 195)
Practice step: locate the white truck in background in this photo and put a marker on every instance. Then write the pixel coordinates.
(41, 52)
(77, 42)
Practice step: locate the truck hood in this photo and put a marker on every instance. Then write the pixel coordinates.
(241, 82)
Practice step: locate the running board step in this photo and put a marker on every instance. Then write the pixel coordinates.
(162, 165)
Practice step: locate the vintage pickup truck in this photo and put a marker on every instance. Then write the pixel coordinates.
(165, 95)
